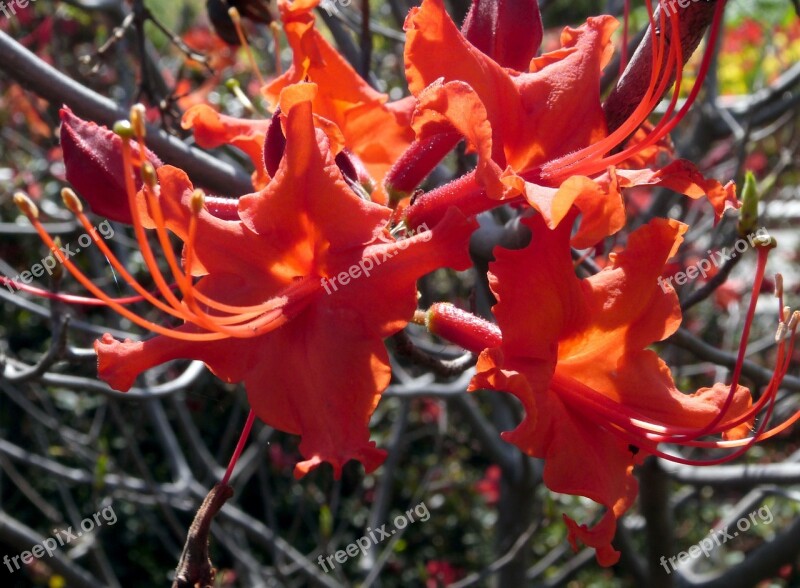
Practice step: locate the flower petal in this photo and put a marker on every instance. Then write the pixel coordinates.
(374, 130)
(212, 129)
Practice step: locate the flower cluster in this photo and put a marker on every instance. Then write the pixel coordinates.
(336, 172)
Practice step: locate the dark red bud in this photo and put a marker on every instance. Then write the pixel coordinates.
(355, 173)
(274, 144)
(508, 31)
(93, 159)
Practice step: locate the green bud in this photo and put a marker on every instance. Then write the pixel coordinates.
(748, 213)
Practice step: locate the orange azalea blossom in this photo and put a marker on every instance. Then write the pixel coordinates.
(375, 130)
(596, 401)
(541, 134)
(313, 364)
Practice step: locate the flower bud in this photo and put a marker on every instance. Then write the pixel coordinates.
(510, 32)
(462, 328)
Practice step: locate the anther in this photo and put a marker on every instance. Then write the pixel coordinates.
(765, 241)
(138, 117)
(236, 89)
(124, 129)
(149, 176)
(792, 326)
(71, 200)
(26, 205)
(197, 201)
(780, 334)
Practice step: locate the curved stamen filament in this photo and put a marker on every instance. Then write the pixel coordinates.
(70, 200)
(272, 319)
(662, 432)
(67, 298)
(608, 415)
(247, 321)
(639, 114)
(587, 162)
(638, 430)
(623, 58)
(91, 287)
(240, 314)
(189, 312)
(237, 23)
(152, 192)
(763, 254)
(669, 125)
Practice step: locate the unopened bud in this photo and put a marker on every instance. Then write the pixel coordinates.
(461, 327)
(748, 213)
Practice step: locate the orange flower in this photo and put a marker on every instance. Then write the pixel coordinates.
(518, 119)
(295, 295)
(540, 134)
(596, 400)
(375, 130)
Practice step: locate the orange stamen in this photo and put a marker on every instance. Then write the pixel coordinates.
(588, 161)
(237, 23)
(276, 40)
(89, 285)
